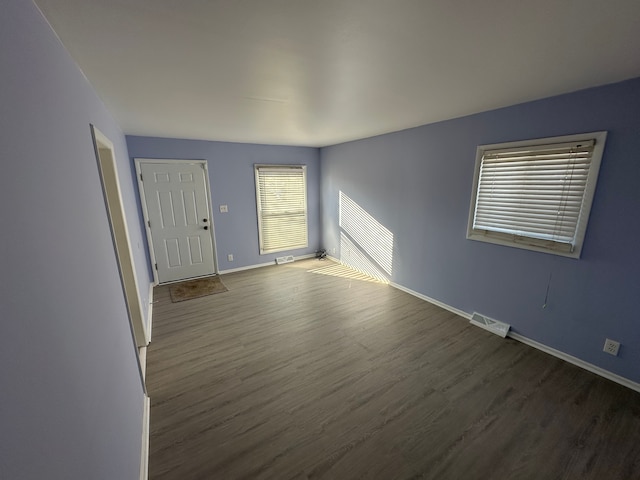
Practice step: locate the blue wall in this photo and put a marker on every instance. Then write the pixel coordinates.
(233, 183)
(71, 398)
(417, 183)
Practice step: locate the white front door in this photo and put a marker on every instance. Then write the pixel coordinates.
(178, 219)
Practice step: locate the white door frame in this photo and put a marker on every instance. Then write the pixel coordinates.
(145, 213)
(108, 171)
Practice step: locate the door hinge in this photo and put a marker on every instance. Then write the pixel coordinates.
(141, 177)
(149, 223)
(156, 266)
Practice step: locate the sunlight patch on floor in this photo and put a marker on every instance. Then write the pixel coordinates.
(342, 271)
(351, 255)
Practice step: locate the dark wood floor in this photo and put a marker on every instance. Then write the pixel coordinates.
(304, 371)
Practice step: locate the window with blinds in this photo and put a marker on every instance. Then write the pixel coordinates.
(536, 194)
(281, 193)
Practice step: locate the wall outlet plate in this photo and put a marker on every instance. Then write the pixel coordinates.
(230, 257)
(611, 347)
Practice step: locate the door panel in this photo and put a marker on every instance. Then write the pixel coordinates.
(179, 219)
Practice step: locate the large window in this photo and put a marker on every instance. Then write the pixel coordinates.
(536, 194)
(281, 193)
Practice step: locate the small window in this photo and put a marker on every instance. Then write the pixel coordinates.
(536, 194)
(281, 193)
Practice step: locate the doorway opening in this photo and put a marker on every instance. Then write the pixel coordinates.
(120, 234)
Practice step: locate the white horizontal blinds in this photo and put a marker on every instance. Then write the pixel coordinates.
(534, 192)
(282, 207)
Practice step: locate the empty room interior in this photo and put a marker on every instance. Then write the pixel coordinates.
(415, 224)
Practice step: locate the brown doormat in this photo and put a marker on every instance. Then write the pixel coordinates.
(200, 287)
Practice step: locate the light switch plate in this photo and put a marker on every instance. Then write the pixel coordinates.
(224, 208)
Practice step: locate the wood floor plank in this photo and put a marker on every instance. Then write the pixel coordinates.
(310, 371)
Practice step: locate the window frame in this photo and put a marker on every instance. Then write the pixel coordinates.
(256, 169)
(531, 243)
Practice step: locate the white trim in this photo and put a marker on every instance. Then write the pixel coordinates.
(150, 313)
(266, 264)
(432, 300)
(214, 245)
(144, 452)
(248, 267)
(532, 343)
(576, 361)
(304, 257)
(110, 182)
(142, 353)
(145, 219)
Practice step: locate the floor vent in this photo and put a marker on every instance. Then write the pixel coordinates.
(494, 326)
(287, 259)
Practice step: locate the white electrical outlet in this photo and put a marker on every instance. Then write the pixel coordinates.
(611, 347)
(333, 250)
(230, 257)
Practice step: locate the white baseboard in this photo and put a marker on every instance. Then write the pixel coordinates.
(266, 264)
(142, 355)
(305, 256)
(248, 267)
(532, 343)
(576, 361)
(150, 314)
(144, 452)
(432, 300)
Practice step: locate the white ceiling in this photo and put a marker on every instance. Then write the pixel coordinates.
(320, 72)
